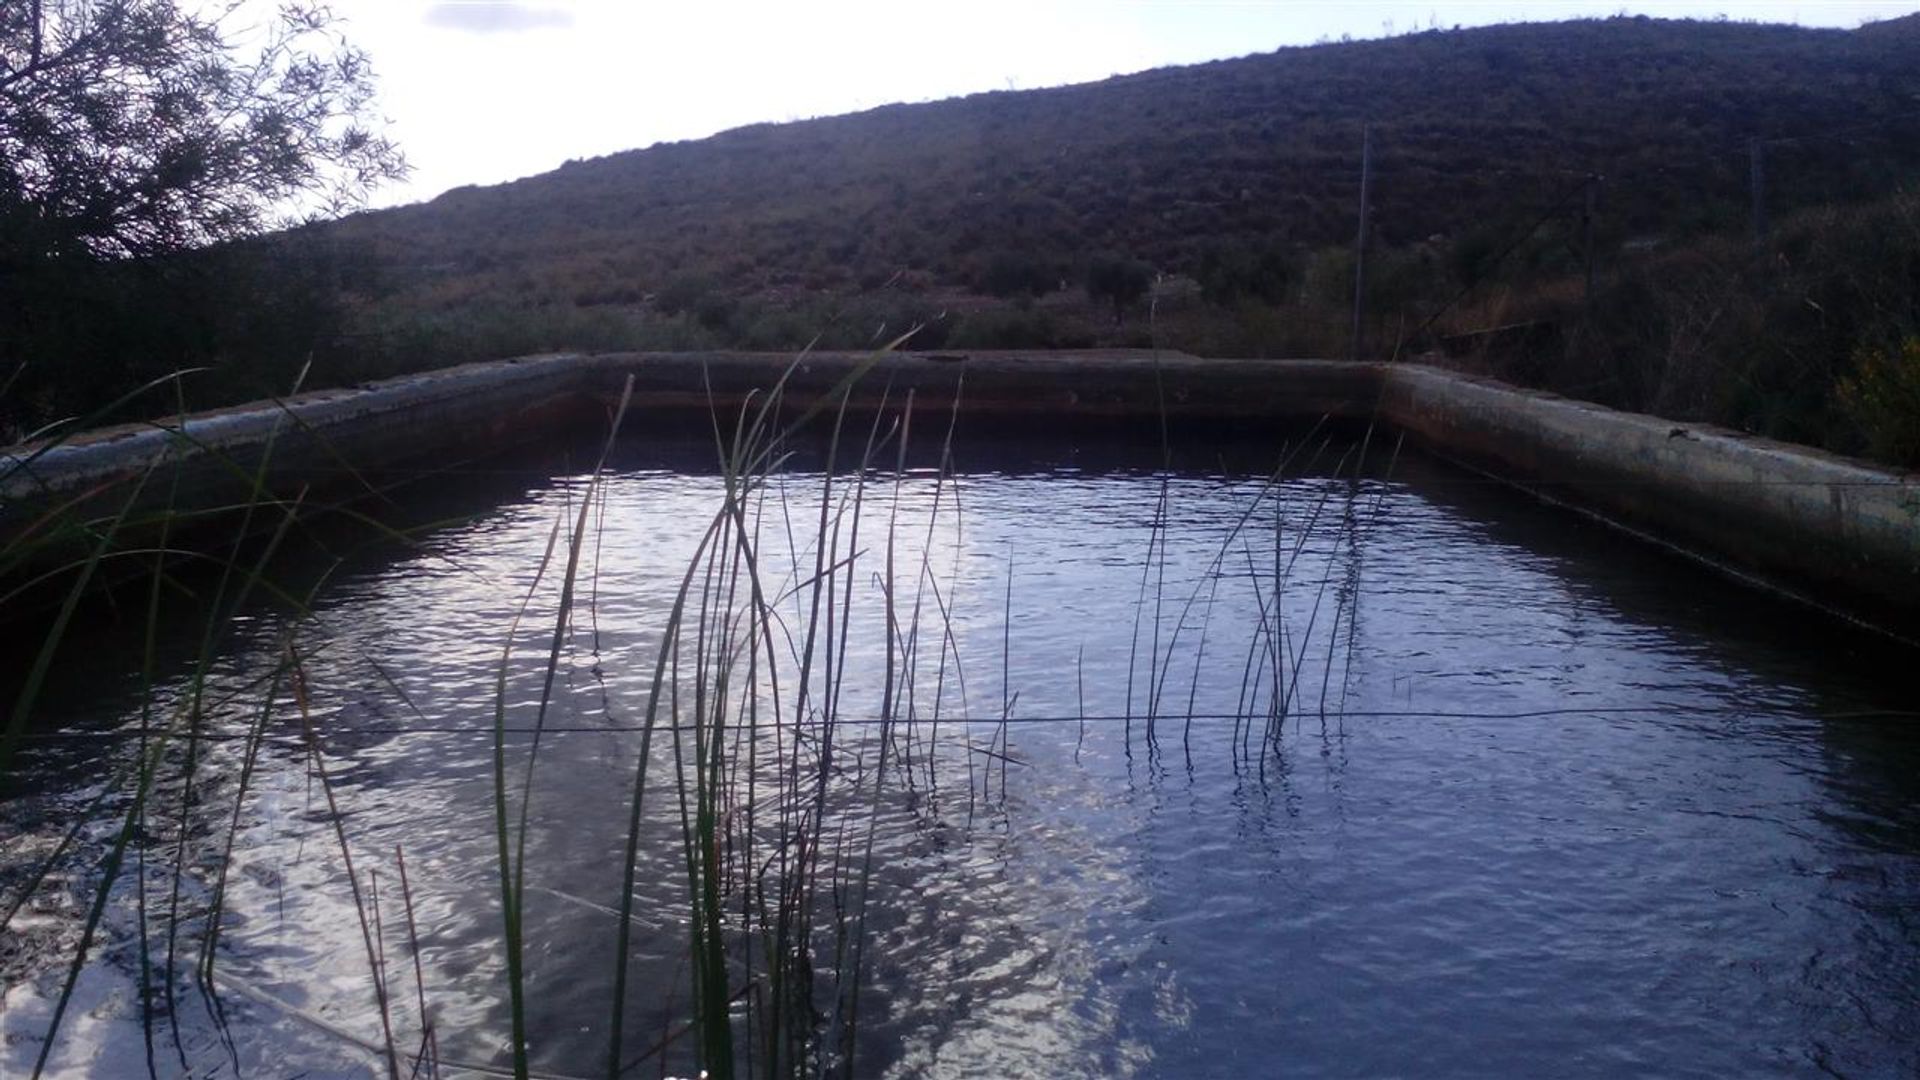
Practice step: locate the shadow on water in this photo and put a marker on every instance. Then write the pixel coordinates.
(1868, 683)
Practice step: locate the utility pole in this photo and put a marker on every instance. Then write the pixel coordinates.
(1586, 236)
(1360, 245)
(1757, 180)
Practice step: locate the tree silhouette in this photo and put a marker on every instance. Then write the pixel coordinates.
(140, 140)
(133, 127)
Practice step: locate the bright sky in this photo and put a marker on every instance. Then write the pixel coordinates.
(481, 91)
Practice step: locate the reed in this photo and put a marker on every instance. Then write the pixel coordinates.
(780, 755)
(142, 530)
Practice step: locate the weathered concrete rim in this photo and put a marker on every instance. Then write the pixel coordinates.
(1841, 533)
(1835, 532)
(103, 454)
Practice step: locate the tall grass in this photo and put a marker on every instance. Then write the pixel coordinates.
(34, 560)
(779, 770)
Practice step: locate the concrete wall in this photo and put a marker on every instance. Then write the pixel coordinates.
(1833, 531)
(321, 446)
(1837, 532)
(1114, 383)
(336, 443)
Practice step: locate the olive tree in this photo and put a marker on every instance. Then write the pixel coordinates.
(136, 127)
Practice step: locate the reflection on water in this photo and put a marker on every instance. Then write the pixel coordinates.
(1400, 775)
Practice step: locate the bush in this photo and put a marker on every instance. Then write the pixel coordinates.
(1011, 329)
(1230, 275)
(1012, 274)
(682, 292)
(715, 311)
(1118, 280)
(1882, 397)
(78, 331)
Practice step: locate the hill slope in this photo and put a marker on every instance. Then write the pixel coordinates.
(1475, 130)
(1227, 192)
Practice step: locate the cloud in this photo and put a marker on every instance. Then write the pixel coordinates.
(496, 16)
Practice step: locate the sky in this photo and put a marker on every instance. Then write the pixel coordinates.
(482, 91)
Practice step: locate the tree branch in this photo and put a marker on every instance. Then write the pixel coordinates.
(36, 16)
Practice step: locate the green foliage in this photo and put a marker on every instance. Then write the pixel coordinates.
(682, 292)
(1882, 396)
(1014, 274)
(1473, 254)
(393, 341)
(141, 143)
(1230, 274)
(144, 126)
(1235, 181)
(1327, 282)
(1119, 281)
(1238, 161)
(715, 311)
(1758, 339)
(1015, 329)
(79, 330)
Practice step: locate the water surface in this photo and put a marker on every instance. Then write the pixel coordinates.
(1535, 801)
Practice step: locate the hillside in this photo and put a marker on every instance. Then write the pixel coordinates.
(1580, 189)
(1475, 129)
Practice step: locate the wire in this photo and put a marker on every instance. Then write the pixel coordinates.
(1657, 711)
(1553, 211)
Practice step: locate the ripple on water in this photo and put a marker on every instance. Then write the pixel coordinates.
(1570, 809)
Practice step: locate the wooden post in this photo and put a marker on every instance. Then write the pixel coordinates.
(1360, 245)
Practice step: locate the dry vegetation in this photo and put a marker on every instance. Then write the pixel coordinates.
(1014, 219)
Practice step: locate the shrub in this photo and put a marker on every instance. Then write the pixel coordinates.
(1882, 396)
(1118, 280)
(1228, 275)
(1006, 329)
(1013, 274)
(682, 292)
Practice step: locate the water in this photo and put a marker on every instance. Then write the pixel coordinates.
(1543, 802)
